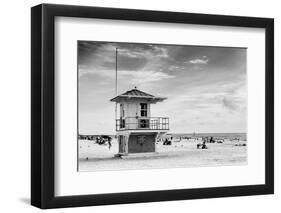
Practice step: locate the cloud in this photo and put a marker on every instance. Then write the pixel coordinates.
(135, 77)
(199, 61)
(132, 54)
(161, 52)
(174, 67)
(153, 52)
(144, 76)
(231, 103)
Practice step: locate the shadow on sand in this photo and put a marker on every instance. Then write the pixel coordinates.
(25, 200)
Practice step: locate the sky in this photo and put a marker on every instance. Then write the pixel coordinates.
(205, 87)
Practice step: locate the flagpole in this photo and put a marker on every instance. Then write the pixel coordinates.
(116, 67)
(116, 81)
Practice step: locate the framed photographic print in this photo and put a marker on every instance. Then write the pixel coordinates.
(136, 106)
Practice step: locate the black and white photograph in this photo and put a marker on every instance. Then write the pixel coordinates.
(143, 105)
(160, 106)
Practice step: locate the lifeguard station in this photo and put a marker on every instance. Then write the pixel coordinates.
(137, 131)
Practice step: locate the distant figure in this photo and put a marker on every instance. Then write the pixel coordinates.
(204, 145)
(205, 139)
(212, 140)
(167, 142)
(109, 143)
(98, 140)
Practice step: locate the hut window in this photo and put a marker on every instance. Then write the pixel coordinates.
(143, 110)
(122, 123)
(122, 111)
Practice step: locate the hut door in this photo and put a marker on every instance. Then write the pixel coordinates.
(122, 144)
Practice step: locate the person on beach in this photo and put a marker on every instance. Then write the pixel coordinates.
(109, 143)
(204, 146)
(98, 140)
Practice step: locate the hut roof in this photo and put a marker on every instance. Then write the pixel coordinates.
(136, 94)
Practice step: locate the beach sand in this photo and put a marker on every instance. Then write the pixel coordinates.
(94, 157)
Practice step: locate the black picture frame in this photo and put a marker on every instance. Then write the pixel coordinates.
(43, 105)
